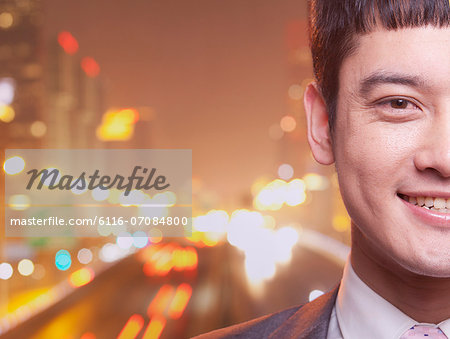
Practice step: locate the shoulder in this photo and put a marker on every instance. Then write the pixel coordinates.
(256, 328)
(308, 321)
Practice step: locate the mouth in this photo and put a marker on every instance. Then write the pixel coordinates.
(440, 205)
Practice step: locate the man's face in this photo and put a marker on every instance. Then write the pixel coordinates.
(392, 145)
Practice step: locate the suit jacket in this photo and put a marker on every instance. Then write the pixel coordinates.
(306, 322)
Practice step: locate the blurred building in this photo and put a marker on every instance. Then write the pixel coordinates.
(49, 97)
(74, 95)
(21, 74)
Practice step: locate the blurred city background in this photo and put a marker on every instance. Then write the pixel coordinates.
(223, 78)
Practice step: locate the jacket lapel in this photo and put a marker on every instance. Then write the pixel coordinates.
(310, 321)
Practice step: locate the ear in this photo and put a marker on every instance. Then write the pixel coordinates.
(319, 137)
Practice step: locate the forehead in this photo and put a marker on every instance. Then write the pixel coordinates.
(421, 53)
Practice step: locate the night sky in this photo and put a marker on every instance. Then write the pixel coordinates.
(215, 71)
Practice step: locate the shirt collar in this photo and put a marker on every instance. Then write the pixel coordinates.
(362, 313)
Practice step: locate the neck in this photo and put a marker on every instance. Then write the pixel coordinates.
(423, 298)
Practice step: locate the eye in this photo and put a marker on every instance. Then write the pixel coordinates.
(399, 103)
(398, 108)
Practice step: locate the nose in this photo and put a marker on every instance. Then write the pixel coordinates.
(434, 155)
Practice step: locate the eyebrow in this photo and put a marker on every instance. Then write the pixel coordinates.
(380, 78)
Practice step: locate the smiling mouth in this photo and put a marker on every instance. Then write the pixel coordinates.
(431, 203)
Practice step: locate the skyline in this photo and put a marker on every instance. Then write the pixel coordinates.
(209, 70)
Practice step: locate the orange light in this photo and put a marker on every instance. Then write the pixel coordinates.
(163, 262)
(210, 242)
(163, 265)
(81, 277)
(7, 113)
(135, 115)
(156, 239)
(68, 42)
(288, 123)
(160, 301)
(159, 262)
(90, 67)
(179, 259)
(196, 237)
(149, 269)
(130, 115)
(185, 258)
(155, 235)
(192, 257)
(132, 327)
(180, 300)
(88, 335)
(155, 327)
(117, 125)
(146, 253)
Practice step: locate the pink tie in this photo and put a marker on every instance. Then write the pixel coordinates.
(424, 331)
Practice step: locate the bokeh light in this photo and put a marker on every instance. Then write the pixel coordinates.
(288, 123)
(180, 301)
(84, 256)
(295, 192)
(140, 239)
(155, 327)
(38, 129)
(25, 267)
(341, 222)
(6, 271)
(7, 91)
(7, 113)
(295, 92)
(14, 165)
(38, 272)
(63, 261)
(316, 182)
(90, 67)
(117, 125)
(6, 20)
(80, 188)
(285, 171)
(104, 230)
(113, 196)
(88, 335)
(279, 192)
(67, 41)
(111, 252)
(155, 235)
(81, 277)
(54, 176)
(284, 240)
(19, 202)
(315, 294)
(134, 198)
(124, 240)
(99, 194)
(132, 327)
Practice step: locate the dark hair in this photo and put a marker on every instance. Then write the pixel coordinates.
(333, 25)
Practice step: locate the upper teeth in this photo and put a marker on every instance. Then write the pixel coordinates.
(430, 202)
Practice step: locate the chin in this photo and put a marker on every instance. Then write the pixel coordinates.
(428, 266)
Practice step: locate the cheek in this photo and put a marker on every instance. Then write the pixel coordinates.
(362, 156)
(374, 151)
(372, 160)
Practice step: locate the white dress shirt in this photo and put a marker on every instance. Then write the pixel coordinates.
(359, 312)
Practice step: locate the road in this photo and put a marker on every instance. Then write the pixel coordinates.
(117, 302)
